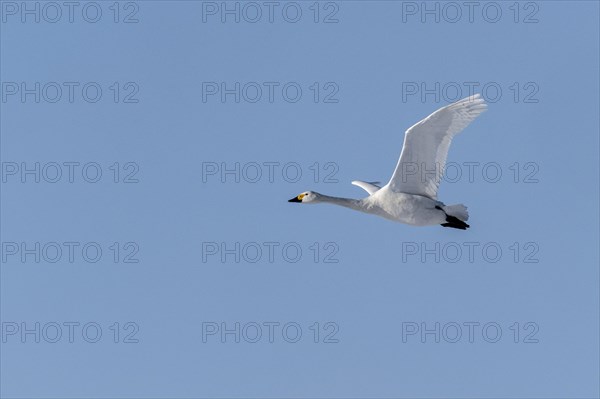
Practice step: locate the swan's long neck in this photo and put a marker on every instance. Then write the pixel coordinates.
(345, 202)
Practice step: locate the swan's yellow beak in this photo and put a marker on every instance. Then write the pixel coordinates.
(297, 199)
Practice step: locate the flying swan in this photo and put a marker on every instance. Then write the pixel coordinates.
(410, 197)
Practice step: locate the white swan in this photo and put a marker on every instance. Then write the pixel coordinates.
(411, 195)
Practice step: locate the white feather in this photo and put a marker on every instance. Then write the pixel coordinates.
(426, 144)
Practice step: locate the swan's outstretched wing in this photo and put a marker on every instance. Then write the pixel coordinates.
(426, 144)
(368, 187)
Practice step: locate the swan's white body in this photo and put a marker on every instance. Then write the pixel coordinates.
(411, 194)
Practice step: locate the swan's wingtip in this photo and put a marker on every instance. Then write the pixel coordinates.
(477, 97)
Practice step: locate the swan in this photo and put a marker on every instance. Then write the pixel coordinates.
(410, 196)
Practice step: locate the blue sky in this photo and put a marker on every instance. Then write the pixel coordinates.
(166, 138)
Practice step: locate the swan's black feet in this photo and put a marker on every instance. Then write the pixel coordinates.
(453, 222)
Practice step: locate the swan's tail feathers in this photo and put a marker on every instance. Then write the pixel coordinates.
(459, 211)
(456, 215)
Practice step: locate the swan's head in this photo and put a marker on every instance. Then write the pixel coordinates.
(305, 197)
